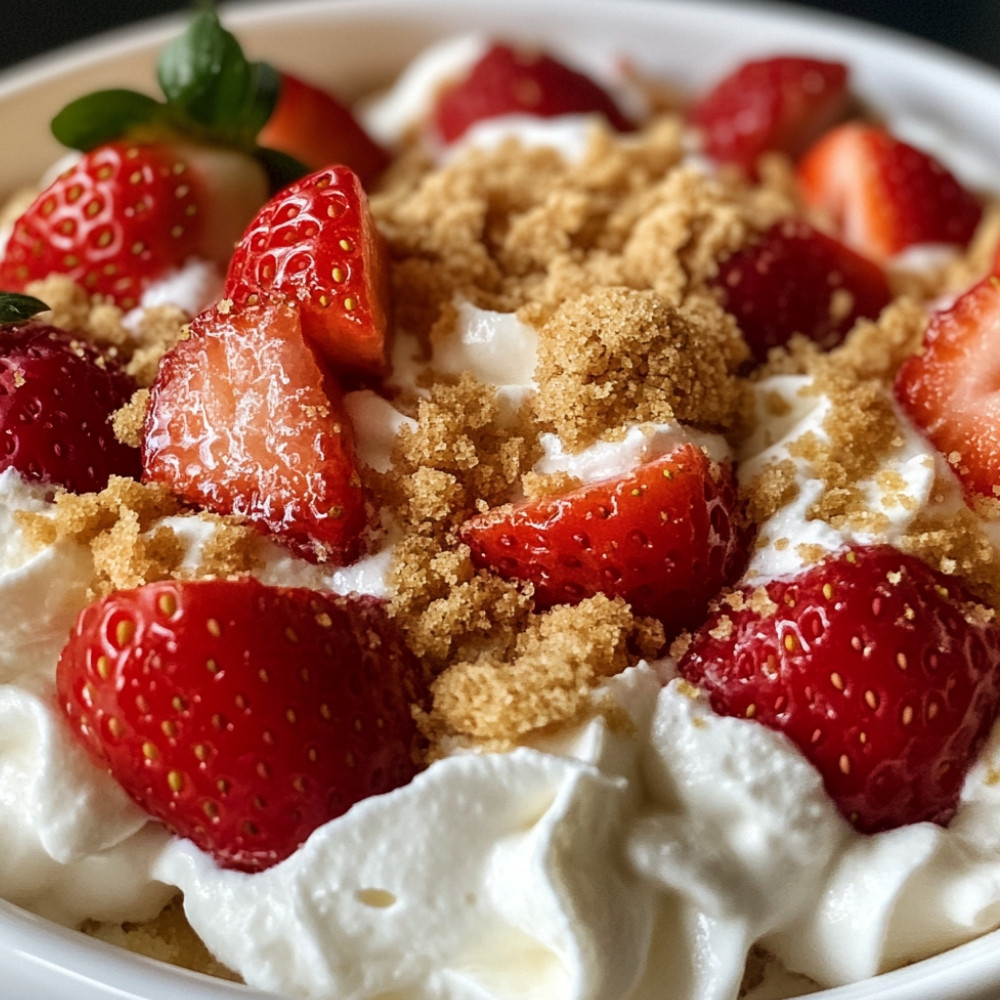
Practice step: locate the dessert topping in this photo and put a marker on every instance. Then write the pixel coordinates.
(244, 419)
(240, 715)
(883, 672)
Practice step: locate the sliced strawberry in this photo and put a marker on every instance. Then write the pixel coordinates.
(315, 244)
(126, 213)
(507, 81)
(316, 128)
(884, 673)
(665, 537)
(243, 419)
(951, 388)
(780, 104)
(242, 716)
(57, 397)
(794, 279)
(883, 194)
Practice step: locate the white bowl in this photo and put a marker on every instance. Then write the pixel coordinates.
(942, 100)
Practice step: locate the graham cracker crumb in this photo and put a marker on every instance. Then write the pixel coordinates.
(128, 421)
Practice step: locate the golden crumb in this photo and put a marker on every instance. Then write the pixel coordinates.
(168, 937)
(548, 677)
(127, 422)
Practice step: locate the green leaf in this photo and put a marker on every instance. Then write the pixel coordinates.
(15, 308)
(281, 168)
(207, 80)
(100, 117)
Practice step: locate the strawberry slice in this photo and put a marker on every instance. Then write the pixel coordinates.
(884, 673)
(665, 537)
(127, 213)
(316, 128)
(883, 194)
(242, 716)
(57, 397)
(794, 279)
(508, 81)
(780, 104)
(243, 419)
(315, 244)
(950, 387)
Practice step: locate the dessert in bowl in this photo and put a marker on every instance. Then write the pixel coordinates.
(588, 824)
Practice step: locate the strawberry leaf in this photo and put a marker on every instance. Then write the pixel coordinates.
(15, 308)
(103, 116)
(209, 83)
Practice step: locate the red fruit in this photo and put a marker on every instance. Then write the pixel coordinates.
(126, 213)
(240, 715)
(314, 127)
(665, 537)
(507, 81)
(315, 244)
(779, 104)
(884, 673)
(951, 387)
(794, 279)
(883, 194)
(243, 419)
(57, 396)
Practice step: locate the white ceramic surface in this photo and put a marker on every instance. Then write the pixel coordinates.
(944, 101)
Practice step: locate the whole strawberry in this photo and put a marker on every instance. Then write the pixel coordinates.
(665, 537)
(244, 419)
(883, 672)
(782, 104)
(507, 80)
(795, 279)
(159, 181)
(57, 397)
(242, 716)
(315, 245)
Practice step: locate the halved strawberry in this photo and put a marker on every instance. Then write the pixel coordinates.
(884, 673)
(781, 104)
(244, 419)
(127, 213)
(240, 715)
(506, 81)
(883, 194)
(951, 387)
(160, 180)
(313, 126)
(795, 279)
(57, 397)
(315, 244)
(666, 537)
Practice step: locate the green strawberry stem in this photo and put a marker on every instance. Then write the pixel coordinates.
(16, 308)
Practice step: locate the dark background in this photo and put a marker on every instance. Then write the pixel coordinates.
(33, 26)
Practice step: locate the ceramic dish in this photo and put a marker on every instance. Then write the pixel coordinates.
(946, 102)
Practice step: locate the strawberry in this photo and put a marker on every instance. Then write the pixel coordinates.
(778, 104)
(507, 81)
(949, 388)
(665, 537)
(242, 716)
(127, 213)
(316, 245)
(883, 194)
(794, 279)
(243, 419)
(159, 181)
(57, 396)
(316, 128)
(883, 672)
